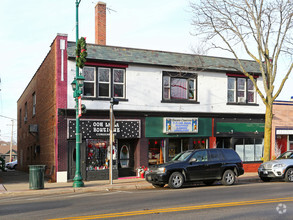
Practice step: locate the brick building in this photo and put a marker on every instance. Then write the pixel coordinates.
(282, 127)
(157, 92)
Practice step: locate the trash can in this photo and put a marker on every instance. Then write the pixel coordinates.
(36, 176)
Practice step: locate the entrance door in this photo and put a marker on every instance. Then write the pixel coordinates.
(126, 158)
(72, 160)
(281, 143)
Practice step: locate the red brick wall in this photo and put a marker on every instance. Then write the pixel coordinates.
(100, 23)
(43, 84)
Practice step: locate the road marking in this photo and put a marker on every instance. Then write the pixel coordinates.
(179, 209)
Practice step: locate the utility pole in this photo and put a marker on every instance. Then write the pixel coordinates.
(11, 141)
(10, 156)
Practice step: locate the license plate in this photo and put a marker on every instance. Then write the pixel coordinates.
(149, 178)
(265, 172)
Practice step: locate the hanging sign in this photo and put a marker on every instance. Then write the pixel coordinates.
(180, 125)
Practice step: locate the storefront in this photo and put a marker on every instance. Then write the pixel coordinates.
(284, 140)
(95, 148)
(246, 137)
(171, 135)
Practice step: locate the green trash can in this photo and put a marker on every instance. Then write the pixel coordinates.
(36, 176)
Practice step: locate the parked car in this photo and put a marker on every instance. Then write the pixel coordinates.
(281, 168)
(206, 165)
(11, 165)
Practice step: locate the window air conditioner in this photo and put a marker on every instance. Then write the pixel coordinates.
(241, 99)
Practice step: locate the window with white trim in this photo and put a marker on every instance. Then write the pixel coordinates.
(119, 83)
(103, 82)
(89, 74)
(25, 112)
(241, 90)
(34, 103)
(178, 86)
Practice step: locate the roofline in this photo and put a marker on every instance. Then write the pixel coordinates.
(162, 51)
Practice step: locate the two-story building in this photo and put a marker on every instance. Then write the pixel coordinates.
(168, 102)
(282, 127)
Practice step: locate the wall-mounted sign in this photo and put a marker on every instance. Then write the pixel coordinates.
(92, 129)
(180, 125)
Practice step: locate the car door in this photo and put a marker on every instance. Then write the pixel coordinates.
(215, 163)
(196, 168)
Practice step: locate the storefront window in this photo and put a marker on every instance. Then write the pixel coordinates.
(199, 143)
(291, 142)
(249, 149)
(156, 151)
(177, 146)
(98, 154)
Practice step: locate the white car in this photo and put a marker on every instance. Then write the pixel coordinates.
(11, 165)
(281, 168)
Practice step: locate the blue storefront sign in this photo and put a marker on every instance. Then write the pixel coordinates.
(180, 125)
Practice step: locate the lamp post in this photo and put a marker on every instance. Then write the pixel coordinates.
(77, 86)
(112, 123)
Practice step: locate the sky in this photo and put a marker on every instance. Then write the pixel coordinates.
(29, 27)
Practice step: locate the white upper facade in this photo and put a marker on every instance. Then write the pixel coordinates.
(143, 91)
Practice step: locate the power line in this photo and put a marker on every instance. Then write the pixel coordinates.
(7, 117)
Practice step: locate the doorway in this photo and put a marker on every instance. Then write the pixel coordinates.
(126, 150)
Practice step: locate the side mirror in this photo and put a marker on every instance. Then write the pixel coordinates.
(192, 160)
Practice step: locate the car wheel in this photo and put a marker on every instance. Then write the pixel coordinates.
(289, 175)
(228, 178)
(265, 179)
(158, 185)
(208, 182)
(176, 180)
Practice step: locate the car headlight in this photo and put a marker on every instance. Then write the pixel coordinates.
(161, 170)
(279, 165)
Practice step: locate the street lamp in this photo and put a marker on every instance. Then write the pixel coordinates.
(77, 86)
(112, 122)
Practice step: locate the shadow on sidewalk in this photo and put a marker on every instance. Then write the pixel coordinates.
(13, 176)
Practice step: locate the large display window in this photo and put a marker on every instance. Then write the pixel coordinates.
(98, 154)
(249, 149)
(156, 149)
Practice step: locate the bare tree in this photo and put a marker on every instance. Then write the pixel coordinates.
(263, 29)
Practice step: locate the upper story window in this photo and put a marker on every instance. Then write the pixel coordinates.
(34, 103)
(25, 112)
(241, 90)
(179, 86)
(19, 120)
(104, 82)
(89, 81)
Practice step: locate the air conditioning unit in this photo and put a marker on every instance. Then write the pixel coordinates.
(25, 119)
(33, 128)
(241, 99)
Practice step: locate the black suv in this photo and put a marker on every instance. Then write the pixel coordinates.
(206, 165)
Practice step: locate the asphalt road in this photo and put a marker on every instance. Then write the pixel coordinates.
(243, 201)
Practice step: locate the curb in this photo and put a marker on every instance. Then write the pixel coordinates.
(98, 188)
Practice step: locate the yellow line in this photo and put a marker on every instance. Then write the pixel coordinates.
(179, 209)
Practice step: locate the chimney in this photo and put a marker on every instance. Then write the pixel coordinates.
(100, 23)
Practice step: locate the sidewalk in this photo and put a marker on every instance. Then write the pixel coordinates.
(17, 183)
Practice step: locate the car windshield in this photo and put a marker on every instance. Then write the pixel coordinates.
(182, 156)
(286, 155)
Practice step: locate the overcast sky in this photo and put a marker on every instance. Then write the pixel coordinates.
(29, 27)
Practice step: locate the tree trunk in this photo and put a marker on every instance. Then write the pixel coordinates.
(268, 132)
